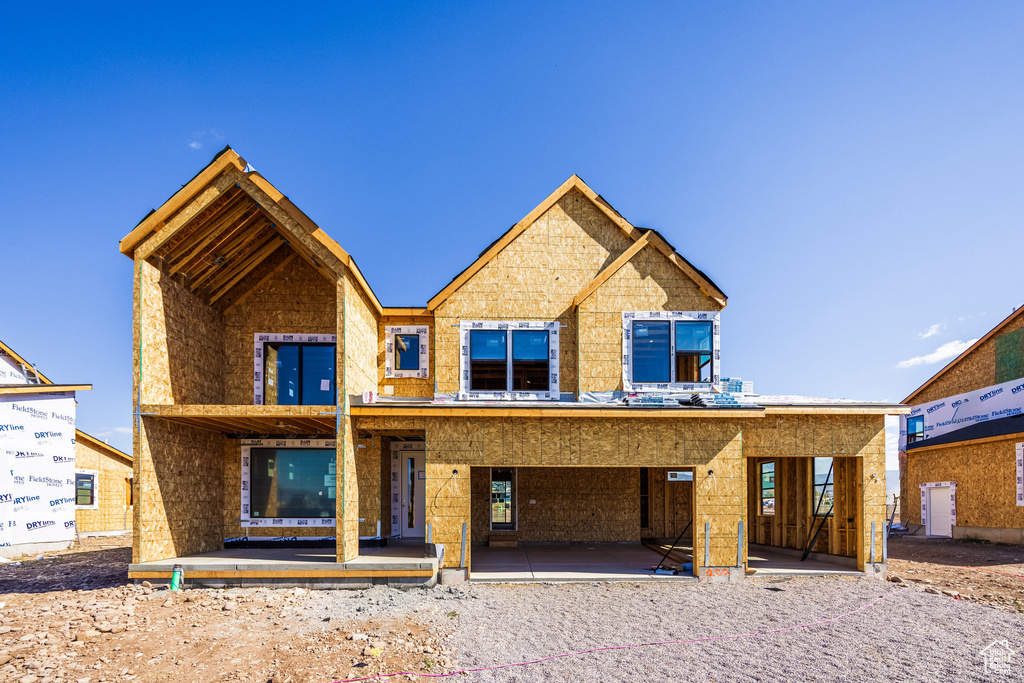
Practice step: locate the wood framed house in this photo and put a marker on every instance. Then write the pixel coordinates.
(962, 444)
(565, 387)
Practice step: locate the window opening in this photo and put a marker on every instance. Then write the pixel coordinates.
(299, 374)
(530, 360)
(407, 352)
(411, 479)
(651, 344)
(915, 428)
(823, 492)
(85, 489)
(693, 352)
(768, 488)
(488, 354)
(292, 483)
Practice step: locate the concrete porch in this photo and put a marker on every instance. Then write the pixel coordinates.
(567, 563)
(305, 567)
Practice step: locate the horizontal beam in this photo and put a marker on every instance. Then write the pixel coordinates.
(42, 388)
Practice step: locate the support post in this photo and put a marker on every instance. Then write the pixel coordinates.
(739, 545)
(871, 559)
(885, 544)
(430, 532)
(707, 544)
(462, 556)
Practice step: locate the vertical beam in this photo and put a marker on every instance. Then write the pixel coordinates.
(861, 530)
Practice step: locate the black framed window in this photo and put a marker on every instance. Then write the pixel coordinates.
(530, 360)
(503, 498)
(822, 492)
(693, 351)
(85, 489)
(299, 374)
(292, 482)
(651, 349)
(407, 352)
(488, 360)
(767, 488)
(915, 428)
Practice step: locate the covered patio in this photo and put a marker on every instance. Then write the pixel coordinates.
(569, 562)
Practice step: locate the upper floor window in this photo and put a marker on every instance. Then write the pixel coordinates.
(915, 428)
(670, 350)
(294, 369)
(406, 351)
(509, 360)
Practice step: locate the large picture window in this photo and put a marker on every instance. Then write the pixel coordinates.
(670, 351)
(510, 360)
(289, 482)
(294, 369)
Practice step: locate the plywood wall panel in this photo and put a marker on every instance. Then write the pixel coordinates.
(113, 473)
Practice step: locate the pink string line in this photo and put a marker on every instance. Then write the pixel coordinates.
(626, 647)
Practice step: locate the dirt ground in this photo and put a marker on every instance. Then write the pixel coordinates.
(73, 616)
(988, 573)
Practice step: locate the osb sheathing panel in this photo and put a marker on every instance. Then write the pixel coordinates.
(182, 342)
(986, 483)
(113, 513)
(368, 472)
(976, 371)
(535, 277)
(648, 282)
(448, 507)
(296, 299)
(347, 515)
(179, 480)
(360, 332)
(406, 387)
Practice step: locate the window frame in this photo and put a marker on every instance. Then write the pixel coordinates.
(391, 370)
(830, 481)
(915, 436)
(509, 326)
(245, 484)
(514, 479)
(261, 339)
(761, 488)
(672, 317)
(95, 476)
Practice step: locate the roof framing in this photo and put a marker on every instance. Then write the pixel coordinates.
(634, 233)
(227, 207)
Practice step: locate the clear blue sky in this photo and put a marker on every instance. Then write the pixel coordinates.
(850, 174)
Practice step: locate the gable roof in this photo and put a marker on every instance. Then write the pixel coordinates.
(631, 231)
(7, 350)
(102, 446)
(994, 331)
(230, 205)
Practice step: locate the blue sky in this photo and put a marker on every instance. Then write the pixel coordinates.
(849, 174)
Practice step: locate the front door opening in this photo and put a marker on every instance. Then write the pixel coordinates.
(940, 522)
(503, 498)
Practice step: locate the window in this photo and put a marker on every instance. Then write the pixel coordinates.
(292, 483)
(299, 374)
(915, 428)
(767, 488)
(645, 498)
(822, 501)
(503, 498)
(509, 360)
(693, 352)
(670, 350)
(129, 493)
(85, 489)
(294, 369)
(406, 351)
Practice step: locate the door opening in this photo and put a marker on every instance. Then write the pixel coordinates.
(940, 522)
(408, 491)
(503, 498)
